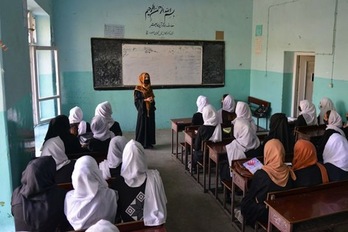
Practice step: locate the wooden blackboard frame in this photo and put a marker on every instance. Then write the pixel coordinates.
(107, 62)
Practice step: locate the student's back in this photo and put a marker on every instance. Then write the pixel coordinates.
(197, 118)
(274, 176)
(306, 167)
(38, 205)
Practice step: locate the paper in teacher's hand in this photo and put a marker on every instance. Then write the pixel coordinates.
(253, 165)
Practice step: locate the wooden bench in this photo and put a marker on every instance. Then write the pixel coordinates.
(316, 208)
(255, 104)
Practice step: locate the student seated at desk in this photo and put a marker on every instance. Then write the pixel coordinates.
(279, 129)
(306, 167)
(334, 125)
(103, 226)
(141, 191)
(105, 111)
(91, 199)
(101, 135)
(245, 144)
(210, 130)
(78, 127)
(197, 118)
(335, 157)
(226, 114)
(308, 115)
(60, 126)
(325, 105)
(243, 111)
(38, 204)
(111, 167)
(274, 176)
(55, 147)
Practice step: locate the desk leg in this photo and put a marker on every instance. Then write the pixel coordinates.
(216, 179)
(186, 155)
(191, 153)
(233, 190)
(172, 141)
(177, 143)
(209, 174)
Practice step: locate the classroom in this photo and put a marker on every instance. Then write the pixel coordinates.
(266, 43)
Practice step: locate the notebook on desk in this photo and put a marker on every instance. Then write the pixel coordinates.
(253, 165)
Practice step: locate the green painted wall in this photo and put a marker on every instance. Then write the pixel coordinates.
(299, 26)
(75, 22)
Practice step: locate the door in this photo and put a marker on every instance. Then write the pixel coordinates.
(304, 80)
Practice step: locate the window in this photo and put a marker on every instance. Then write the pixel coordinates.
(45, 83)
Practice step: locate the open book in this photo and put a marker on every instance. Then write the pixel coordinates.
(253, 165)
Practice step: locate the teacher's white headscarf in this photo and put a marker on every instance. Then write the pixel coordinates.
(91, 199)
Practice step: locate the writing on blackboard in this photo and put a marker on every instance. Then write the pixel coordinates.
(167, 64)
(160, 20)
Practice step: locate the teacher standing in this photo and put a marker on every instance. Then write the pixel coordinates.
(144, 101)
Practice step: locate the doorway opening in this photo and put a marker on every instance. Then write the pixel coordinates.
(304, 65)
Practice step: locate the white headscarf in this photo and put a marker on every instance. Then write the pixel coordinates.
(114, 157)
(201, 102)
(134, 164)
(325, 105)
(308, 112)
(75, 115)
(103, 226)
(134, 171)
(82, 129)
(104, 110)
(245, 140)
(210, 118)
(55, 147)
(336, 151)
(91, 199)
(335, 122)
(243, 111)
(100, 129)
(228, 104)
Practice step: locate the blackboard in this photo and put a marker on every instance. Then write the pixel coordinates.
(117, 63)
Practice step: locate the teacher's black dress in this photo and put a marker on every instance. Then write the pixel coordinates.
(146, 127)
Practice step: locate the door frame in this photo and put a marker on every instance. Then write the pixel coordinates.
(296, 78)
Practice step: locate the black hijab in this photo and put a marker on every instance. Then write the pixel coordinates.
(279, 129)
(60, 126)
(41, 202)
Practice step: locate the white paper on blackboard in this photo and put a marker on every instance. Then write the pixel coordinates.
(166, 64)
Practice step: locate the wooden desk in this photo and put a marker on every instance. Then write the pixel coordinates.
(190, 136)
(311, 133)
(303, 205)
(178, 125)
(217, 152)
